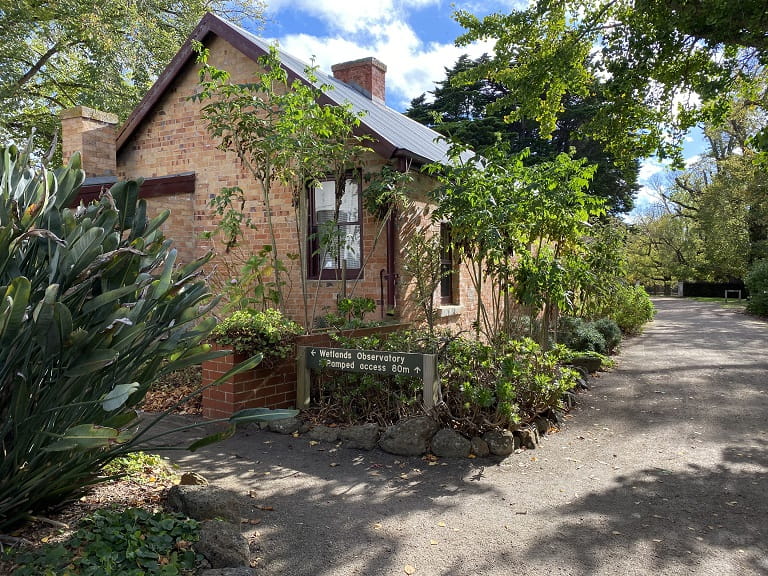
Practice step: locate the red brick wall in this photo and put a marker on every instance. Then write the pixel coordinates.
(366, 73)
(92, 133)
(173, 139)
(264, 386)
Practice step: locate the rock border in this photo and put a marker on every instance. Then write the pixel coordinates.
(421, 435)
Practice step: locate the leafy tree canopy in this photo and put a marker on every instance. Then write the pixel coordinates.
(474, 113)
(662, 65)
(62, 53)
(711, 222)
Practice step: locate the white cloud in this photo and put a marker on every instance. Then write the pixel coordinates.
(350, 15)
(646, 196)
(690, 161)
(378, 29)
(650, 167)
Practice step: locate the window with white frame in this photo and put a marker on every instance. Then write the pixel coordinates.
(335, 229)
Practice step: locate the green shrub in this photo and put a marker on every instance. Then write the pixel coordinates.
(482, 386)
(350, 314)
(357, 398)
(538, 376)
(610, 331)
(92, 310)
(134, 542)
(139, 466)
(757, 284)
(631, 308)
(577, 334)
(587, 338)
(567, 326)
(250, 332)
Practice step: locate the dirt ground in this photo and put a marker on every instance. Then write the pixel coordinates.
(660, 470)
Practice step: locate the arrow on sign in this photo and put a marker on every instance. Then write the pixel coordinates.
(313, 352)
(417, 370)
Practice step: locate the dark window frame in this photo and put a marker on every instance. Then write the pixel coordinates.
(448, 269)
(314, 269)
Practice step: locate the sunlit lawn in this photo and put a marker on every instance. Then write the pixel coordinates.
(730, 303)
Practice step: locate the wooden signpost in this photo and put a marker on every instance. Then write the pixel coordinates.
(422, 366)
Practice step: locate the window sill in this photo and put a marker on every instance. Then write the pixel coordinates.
(446, 311)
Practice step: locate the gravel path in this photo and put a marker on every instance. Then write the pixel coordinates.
(661, 470)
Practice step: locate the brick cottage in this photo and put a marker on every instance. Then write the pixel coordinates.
(165, 141)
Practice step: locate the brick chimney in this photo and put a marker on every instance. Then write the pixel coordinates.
(365, 75)
(94, 134)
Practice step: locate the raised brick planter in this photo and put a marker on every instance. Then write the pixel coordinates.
(265, 386)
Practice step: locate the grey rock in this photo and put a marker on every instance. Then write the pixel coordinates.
(542, 424)
(556, 417)
(223, 545)
(588, 363)
(285, 425)
(581, 383)
(323, 434)
(480, 447)
(529, 436)
(304, 427)
(204, 502)
(193, 479)
(409, 437)
(242, 571)
(450, 444)
(501, 442)
(363, 437)
(569, 398)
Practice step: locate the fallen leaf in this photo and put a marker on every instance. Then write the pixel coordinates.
(409, 569)
(313, 442)
(616, 533)
(433, 542)
(471, 456)
(377, 526)
(333, 464)
(266, 508)
(441, 524)
(296, 434)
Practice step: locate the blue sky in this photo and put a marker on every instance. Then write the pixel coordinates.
(414, 38)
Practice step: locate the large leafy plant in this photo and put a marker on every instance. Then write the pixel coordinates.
(93, 308)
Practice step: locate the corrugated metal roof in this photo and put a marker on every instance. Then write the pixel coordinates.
(395, 134)
(406, 135)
